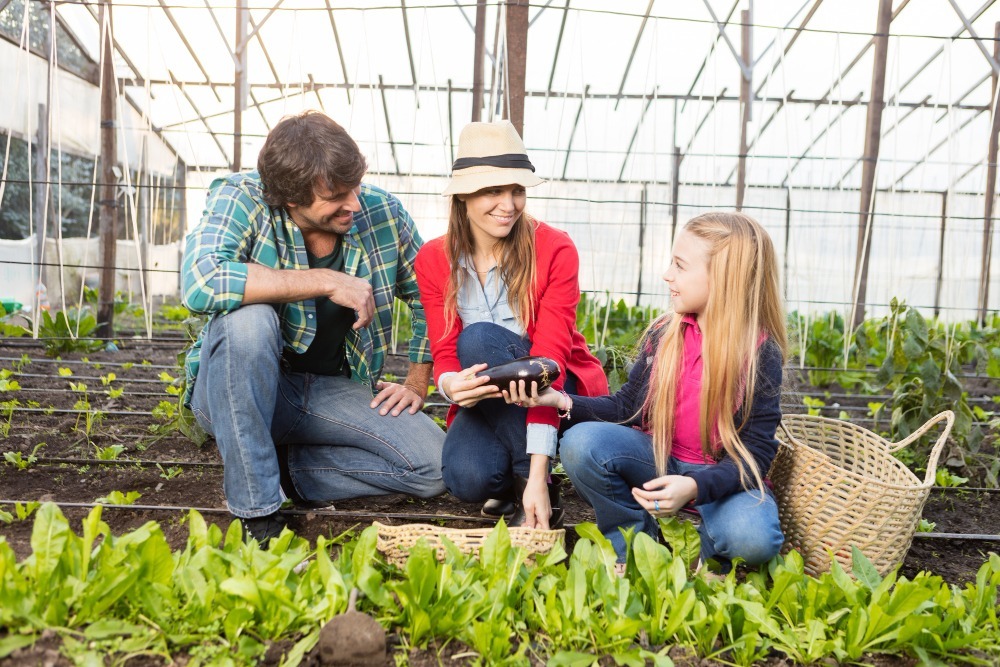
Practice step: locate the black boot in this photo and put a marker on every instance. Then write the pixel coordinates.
(263, 528)
(555, 502)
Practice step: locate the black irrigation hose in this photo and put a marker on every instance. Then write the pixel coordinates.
(142, 463)
(93, 378)
(77, 362)
(333, 514)
(973, 537)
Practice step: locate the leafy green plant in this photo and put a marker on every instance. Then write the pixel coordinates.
(170, 472)
(64, 372)
(174, 313)
(926, 526)
(119, 498)
(813, 405)
(946, 478)
(9, 385)
(7, 415)
(20, 461)
(69, 331)
(109, 453)
(22, 512)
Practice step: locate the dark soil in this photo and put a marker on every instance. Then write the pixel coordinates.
(68, 472)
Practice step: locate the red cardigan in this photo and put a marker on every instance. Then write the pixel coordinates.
(552, 329)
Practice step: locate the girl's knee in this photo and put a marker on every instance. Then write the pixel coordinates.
(753, 543)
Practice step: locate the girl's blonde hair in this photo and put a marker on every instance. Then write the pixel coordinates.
(515, 261)
(744, 303)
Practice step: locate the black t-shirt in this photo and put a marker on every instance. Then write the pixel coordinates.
(326, 354)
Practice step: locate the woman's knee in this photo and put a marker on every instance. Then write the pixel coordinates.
(471, 485)
(485, 342)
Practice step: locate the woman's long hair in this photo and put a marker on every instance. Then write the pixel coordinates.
(744, 303)
(515, 255)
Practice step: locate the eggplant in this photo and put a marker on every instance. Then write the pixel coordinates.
(542, 370)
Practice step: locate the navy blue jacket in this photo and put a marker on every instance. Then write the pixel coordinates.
(723, 479)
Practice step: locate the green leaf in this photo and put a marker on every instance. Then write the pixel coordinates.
(682, 537)
(863, 569)
(11, 643)
(572, 659)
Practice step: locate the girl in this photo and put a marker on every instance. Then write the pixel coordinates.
(695, 423)
(497, 286)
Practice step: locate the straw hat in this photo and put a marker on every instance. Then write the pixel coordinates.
(490, 154)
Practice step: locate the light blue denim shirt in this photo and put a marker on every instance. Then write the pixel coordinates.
(477, 302)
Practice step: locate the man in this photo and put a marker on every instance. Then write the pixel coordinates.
(298, 264)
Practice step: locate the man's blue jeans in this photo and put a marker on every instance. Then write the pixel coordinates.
(338, 446)
(486, 444)
(605, 461)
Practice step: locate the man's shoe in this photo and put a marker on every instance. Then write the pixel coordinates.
(263, 528)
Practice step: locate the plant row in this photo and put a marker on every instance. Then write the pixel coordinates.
(220, 601)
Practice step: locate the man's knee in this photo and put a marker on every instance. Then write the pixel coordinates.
(252, 328)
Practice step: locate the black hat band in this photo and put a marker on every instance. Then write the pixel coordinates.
(507, 161)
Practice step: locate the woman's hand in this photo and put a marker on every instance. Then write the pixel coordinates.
(517, 394)
(536, 503)
(465, 389)
(665, 495)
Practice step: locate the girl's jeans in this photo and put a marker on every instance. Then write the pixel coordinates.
(605, 461)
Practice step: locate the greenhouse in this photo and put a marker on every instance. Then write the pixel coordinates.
(856, 140)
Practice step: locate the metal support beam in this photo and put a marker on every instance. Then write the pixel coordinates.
(701, 123)
(40, 204)
(388, 126)
(451, 127)
(885, 134)
(572, 132)
(635, 46)
(788, 236)
(708, 56)
(857, 59)
(409, 51)
(643, 196)
(187, 45)
(340, 50)
(822, 133)
(936, 147)
(263, 49)
(991, 183)
(240, 79)
(975, 38)
(517, 60)
(746, 103)
(675, 191)
(477, 62)
(788, 47)
(312, 87)
(635, 134)
(555, 56)
(958, 104)
(760, 133)
(215, 137)
(873, 135)
(245, 40)
(109, 158)
(744, 66)
(940, 268)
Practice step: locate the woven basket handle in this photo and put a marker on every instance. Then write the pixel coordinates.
(947, 416)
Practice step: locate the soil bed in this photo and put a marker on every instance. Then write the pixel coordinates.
(126, 422)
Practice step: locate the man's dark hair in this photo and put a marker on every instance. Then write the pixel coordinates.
(304, 150)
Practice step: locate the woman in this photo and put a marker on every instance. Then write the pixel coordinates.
(497, 286)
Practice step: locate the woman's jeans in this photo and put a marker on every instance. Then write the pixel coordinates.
(605, 461)
(486, 444)
(337, 446)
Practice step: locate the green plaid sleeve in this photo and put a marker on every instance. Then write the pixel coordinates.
(406, 287)
(214, 270)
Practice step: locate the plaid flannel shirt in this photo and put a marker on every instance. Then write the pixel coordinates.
(238, 227)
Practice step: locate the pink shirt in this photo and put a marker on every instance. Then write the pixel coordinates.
(687, 434)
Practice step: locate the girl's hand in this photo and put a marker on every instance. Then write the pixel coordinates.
(536, 504)
(466, 389)
(517, 394)
(665, 495)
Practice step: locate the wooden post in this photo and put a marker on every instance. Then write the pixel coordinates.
(940, 271)
(642, 239)
(788, 233)
(241, 81)
(517, 59)
(873, 135)
(477, 62)
(109, 182)
(675, 191)
(991, 182)
(39, 213)
(746, 88)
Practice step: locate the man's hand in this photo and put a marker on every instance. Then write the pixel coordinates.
(355, 293)
(465, 389)
(666, 495)
(395, 398)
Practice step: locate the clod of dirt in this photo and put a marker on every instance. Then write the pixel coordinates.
(352, 638)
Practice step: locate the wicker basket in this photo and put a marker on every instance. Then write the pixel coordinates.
(395, 542)
(838, 486)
